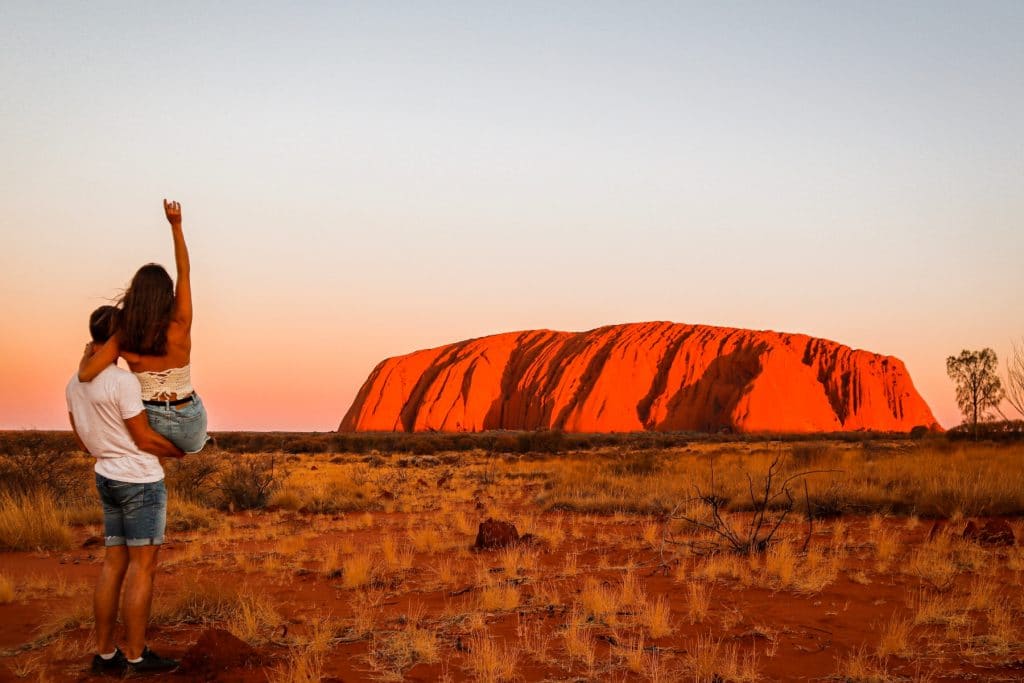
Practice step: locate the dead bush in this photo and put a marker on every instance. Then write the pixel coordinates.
(194, 477)
(248, 483)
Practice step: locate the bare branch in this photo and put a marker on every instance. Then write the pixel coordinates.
(1015, 378)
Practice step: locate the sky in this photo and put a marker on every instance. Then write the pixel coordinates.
(361, 180)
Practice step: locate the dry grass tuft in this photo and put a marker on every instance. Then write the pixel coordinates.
(254, 618)
(711, 659)
(862, 667)
(496, 598)
(887, 544)
(396, 651)
(187, 515)
(698, 602)
(579, 642)
(601, 601)
(358, 571)
(425, 538)
(303, 665)
(490, 661)
(895, 638)
(246, 613)
(394, 555)
(366, 608)
(655, 616)
(632, 655)
(533, 638)
(29, 522)
(446, 571)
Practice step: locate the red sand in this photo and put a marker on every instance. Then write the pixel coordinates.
(811, 632)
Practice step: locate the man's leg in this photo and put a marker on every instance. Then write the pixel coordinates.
(138, 596)
(145, 520)
(108, 595)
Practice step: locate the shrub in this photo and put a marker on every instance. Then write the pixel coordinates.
(305, 445)
(194, 477)
(548, 441)
(919, 432)
(248, 483)
(422, 446)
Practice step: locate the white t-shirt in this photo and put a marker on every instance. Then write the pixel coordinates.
(100, 408)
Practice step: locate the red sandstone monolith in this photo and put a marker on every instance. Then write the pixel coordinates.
(641, 376)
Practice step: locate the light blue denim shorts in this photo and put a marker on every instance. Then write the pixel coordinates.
(133, 514)
(183, 425)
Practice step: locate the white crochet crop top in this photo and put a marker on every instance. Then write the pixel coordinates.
(158, 384)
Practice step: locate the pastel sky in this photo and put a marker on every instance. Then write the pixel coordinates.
(361, 180)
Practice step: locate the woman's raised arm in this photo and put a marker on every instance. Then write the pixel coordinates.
(183, 294)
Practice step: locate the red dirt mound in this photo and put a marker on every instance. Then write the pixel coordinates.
(640, 376)
(494, 533)
(216, 652)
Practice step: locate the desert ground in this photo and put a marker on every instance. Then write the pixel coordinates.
(637, 559)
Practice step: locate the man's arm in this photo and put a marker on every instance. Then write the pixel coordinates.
(148, 440)
(74, 431)
(97, 358)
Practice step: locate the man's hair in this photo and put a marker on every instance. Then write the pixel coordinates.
(103, 323)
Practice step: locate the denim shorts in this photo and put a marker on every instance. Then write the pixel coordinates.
(133, 514)
(184, 425)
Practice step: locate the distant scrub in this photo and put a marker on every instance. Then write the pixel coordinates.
(885, 477)
(429, 443)
(42, 461)
(1002, 431)
(648, 472)
(515, 442)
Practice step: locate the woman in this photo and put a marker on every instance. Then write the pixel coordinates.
(155, 338)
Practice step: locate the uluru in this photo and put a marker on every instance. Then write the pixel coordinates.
(659, 376)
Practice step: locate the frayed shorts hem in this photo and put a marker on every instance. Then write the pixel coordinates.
(114, 541)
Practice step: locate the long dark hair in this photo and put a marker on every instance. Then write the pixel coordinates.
(146, 311)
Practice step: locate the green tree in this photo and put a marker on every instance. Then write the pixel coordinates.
(978, 389)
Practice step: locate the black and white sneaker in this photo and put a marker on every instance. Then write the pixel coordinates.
(151, 661)
(115, 665)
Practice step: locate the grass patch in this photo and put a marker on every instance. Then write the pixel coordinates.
(29, 522)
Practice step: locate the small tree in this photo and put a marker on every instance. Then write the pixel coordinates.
(978, 389)
(1015, 379)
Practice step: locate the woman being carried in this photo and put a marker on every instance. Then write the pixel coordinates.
(155, 338)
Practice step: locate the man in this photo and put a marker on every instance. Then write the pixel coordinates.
(109, 422)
